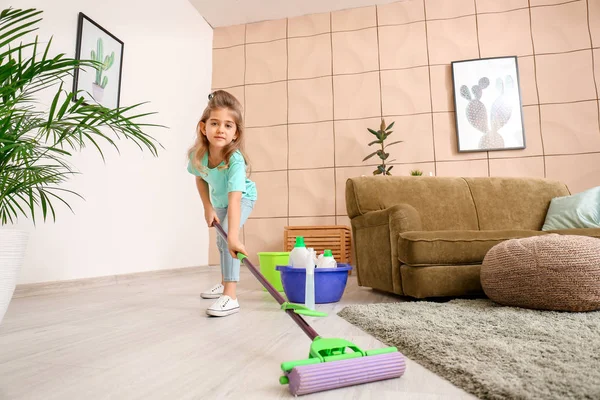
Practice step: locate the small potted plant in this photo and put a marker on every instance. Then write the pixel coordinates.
(416, 172)
(381, 135)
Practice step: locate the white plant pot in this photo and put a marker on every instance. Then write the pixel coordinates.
(98, 92)
(12, 253)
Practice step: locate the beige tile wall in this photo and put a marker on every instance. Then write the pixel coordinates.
(312, 85)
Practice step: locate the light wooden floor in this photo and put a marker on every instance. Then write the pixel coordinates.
(150, 338)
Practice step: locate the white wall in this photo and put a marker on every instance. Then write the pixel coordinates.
(140, 213)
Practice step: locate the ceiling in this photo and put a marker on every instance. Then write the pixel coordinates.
(234, 12)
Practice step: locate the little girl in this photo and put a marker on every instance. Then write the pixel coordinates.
(218, 161)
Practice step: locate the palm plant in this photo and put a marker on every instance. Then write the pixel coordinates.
(34, 143)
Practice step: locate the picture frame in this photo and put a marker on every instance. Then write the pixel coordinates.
(488, 104)
(101, 86)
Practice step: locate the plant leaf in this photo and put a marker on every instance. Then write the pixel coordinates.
(370, 155)
(390, 126)
(383, 155)
(393, 143)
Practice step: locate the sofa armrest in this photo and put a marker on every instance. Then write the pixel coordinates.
(376, 245)
(400, 218)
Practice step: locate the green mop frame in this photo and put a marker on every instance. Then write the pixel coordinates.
(321, 349)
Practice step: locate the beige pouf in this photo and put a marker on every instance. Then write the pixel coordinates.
(550, 272)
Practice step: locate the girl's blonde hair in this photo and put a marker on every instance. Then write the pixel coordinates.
(216, 100)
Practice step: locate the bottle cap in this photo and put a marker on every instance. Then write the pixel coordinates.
(328, 253)
(299, 241)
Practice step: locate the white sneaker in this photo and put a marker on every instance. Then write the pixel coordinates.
(223, 307)
(213, 293)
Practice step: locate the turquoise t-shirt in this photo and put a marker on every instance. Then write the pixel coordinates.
(221, 181)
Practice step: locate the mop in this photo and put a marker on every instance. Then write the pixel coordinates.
(332, 363)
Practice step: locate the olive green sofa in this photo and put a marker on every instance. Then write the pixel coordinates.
(427, 236)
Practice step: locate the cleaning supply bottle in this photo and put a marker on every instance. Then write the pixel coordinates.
(299, 253)
(328, 260)
(309, 290)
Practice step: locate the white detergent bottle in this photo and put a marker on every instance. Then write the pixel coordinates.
(309, 290)
(299, 253)
(328, 260)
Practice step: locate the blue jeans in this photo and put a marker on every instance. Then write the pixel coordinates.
(230, 267)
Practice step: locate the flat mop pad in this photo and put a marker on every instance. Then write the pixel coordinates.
(307, 379)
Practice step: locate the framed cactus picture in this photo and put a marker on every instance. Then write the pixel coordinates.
(100, 85)
(487, 100)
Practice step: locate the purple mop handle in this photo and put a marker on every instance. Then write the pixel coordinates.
(312, 334)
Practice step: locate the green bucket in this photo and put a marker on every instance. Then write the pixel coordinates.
(268, 261)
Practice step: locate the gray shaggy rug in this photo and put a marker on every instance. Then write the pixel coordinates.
(492, 351)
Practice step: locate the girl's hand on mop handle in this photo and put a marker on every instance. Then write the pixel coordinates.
(235, 246)
(211, 216)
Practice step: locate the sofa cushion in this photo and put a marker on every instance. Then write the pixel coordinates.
(426, 248)
(513, 203)
(552, 272)
(365, 194)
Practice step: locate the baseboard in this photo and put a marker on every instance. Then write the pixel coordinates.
(43, 288)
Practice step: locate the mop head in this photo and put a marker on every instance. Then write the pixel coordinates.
(331, 366)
